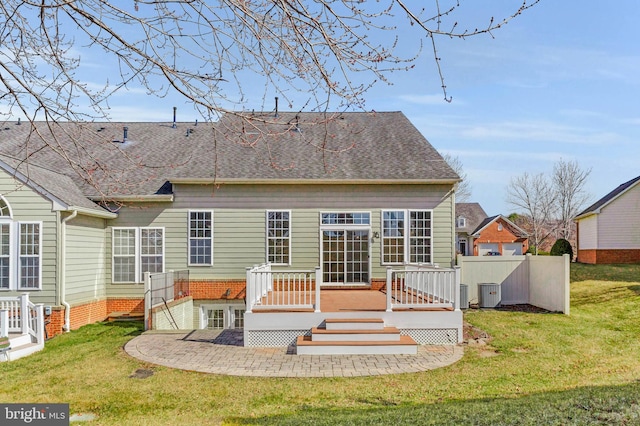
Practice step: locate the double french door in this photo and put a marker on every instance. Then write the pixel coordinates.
(345, 256)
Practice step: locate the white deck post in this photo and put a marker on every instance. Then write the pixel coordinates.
(457, 288)
(318, 284)
(40, 323)
(249, 289)
(389, 287)
(24, 313)
(4, 323)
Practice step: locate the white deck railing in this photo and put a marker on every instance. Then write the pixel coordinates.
(22, 316)
(283, 289)
(423, 287)
(4, 323)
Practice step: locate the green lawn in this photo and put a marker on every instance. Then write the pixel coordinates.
(537, 369)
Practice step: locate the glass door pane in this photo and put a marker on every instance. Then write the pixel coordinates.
(357, 256)
(333, 256)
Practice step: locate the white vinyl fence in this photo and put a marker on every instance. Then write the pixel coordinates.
(542, 281)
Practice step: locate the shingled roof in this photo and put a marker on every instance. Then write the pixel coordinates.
(290, 147)
(513, 228)
(473, 214)
(595, 207)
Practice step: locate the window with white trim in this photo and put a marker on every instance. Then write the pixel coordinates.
(462, 222)
(393, 236)
(29, 259)
(406, 231)
(419, 236)
(278, 237)
(136, 251)
(5, 256)
(20, 252)
(151, 250)
(201, 237)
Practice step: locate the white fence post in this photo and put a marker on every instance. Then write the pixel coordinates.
(147, 300)
(457, 288)
(4, 323)
(24, 313)
(567, 284)
(318, 285)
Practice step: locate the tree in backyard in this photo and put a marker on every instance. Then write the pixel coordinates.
(549, 204)
(328, 52)
(535, 196)
(569, 181)
(463, 189)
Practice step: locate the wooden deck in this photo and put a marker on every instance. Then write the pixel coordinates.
(344, 300)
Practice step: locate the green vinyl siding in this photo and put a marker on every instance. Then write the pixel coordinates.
(29, 206)
(239, 221)
(86, 250)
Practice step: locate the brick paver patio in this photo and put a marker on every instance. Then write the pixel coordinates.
(221, 352)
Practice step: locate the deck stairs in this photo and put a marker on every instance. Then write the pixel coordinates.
(366, 336)
(21, 345)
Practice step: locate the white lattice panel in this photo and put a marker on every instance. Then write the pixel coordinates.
(427, 336)
(274, 338)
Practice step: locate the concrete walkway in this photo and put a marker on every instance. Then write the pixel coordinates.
(221, 352)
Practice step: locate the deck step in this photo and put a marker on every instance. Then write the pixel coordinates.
(359, 336)
(354, 324)
(405, 346)
(387, 334)
(126, 316)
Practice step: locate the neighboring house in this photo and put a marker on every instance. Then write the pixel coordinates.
(468, 217)
(609, 230)
(497, 234)
(353, 193)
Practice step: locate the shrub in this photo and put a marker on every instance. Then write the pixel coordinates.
(532, 250)
(560, 247)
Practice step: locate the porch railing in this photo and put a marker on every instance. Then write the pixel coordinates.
(423, 287)
(271, 289)
(21, 316)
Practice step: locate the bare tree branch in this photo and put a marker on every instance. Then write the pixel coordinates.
(569, 181)
(331, 51)
(463, 189)
(535, 197)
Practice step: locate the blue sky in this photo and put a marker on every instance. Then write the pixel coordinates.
(560, 81)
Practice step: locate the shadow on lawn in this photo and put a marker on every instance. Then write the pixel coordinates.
(587, 405)
(138, 327)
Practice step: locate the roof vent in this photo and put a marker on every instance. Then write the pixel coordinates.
(174, 117)
(19, 123)
(276, 107)
(125, 134)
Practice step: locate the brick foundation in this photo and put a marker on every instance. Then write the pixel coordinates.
(98, 310)
(217, 289)
(89, 313)
(600, 256)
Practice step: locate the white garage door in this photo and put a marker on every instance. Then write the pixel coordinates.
(484, 248)
(511, 249)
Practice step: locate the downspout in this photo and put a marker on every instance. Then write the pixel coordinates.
(63, 271)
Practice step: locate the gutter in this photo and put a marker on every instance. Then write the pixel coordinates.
(63, 270)
(152, 198)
